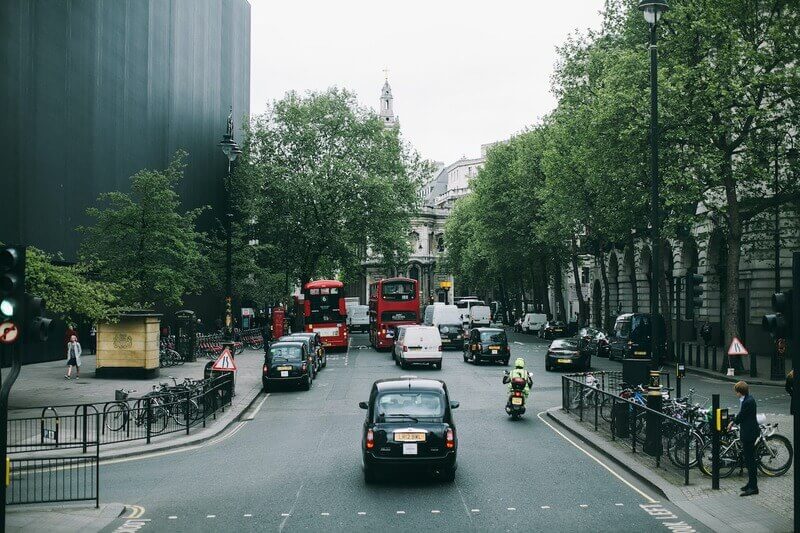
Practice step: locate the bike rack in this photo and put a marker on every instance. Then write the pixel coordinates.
(42, 425)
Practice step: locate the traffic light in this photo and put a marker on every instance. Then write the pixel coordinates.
(12, 284)
(779, 323)
(694, 294)
(37, 326)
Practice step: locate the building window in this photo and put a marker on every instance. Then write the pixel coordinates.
(440, 243)
(585, 275)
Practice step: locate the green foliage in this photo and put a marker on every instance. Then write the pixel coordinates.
(67, 290)
(143, 243)
(325, 181)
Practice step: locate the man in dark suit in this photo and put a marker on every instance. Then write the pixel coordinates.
(748, 432)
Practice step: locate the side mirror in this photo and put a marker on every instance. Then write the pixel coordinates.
(363, 405)
(454, 404)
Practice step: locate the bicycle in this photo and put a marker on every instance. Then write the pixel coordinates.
(774, 453)
(117, 414)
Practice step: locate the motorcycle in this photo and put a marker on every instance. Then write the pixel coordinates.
(515, 407)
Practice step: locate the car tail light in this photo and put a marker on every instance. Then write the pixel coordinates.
(450, 438)
(370, 439)
(266, 369)
(405, 348)
(438, 348)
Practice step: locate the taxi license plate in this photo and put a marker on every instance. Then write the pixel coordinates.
(494, 352)
(565, 361)
(284, 373)
(410, 448)
(516, 401)
(558, 330)
(284, 368)
(409, 437)
(639, 353)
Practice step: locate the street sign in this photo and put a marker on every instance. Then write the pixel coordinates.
(224, 362)
(737, 348)
(8, 333)
(780, 346)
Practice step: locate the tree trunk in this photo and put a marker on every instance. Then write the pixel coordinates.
(666, 312)
(535, 289)
(545, 285)
(606, 293)
(504, 298)
(632, 278)
(578, 289)
(734, 252)
(558, 289)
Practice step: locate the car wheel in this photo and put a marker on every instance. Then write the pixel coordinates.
(264, 387)
(547, 367)
(370, 476)
(307, 383)
(396, 361)
(448, 475)
(403, 364)
(505, 362)
(465, 358)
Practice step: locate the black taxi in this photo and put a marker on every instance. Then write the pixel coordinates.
(288, 362)
(409, 426)
(486, 344)
(316, 347)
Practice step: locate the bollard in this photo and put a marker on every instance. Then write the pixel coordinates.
(705, 357)
(714, 357)
(691, 349)
(652, 441)
(697, 357)
(753, 366)
(715, 431)
(85, 429)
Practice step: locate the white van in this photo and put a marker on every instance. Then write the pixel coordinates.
(418, 344)
(480, 315)
(533, 322)
(466, 305)
(358, 318)
(439, 313)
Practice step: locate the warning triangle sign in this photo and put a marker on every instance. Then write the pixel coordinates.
(737, 348)
(224, 362)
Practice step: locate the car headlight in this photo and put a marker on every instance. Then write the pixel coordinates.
(445, 329)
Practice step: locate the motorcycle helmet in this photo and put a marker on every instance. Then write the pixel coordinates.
(519, 363)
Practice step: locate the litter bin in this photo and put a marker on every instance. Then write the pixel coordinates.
(186, 334)
(620, 419)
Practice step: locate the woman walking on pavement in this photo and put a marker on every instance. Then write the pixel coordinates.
(73, 357)
(748, 432)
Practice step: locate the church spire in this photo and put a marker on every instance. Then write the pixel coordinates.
(387, 103)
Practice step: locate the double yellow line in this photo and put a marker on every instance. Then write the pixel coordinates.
(136, 511)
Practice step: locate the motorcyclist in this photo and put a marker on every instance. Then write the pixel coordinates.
(519, 372)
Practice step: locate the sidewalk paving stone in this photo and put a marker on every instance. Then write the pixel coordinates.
(66, 518)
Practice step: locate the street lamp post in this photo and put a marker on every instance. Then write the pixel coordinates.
(231, 151)
(652, 11)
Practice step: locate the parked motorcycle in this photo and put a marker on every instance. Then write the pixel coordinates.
(515, 406)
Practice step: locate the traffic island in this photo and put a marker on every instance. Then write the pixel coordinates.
(720, 510)
(129, 347)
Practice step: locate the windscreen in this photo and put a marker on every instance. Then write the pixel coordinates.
(398, 290)
(565, 344)
(324, 305)
(622, 328)
(493, 336)
(289, 353)
(414, 404)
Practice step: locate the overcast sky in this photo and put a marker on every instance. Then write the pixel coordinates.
(463, 73)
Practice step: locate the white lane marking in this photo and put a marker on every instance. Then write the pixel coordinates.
(545, 507)
(598, 461)
(211, 516)
(584, 505)
(173, 517)
(520, 343)
(325, 514)
(401, 512)
(435, 511)
(619, 504)
(476, 510)
(255, 411)
(284, 514)
(247, 515)
(511, 508)
(361, 513)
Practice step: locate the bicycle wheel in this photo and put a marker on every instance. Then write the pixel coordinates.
(158, 419)
(606, 406)
(677, 449)
(774, 455)
(115, 415)
(728, 458)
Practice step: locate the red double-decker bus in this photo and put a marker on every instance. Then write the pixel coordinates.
(325, 311)
(392, 302)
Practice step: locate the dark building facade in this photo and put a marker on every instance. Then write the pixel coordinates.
(94, 90)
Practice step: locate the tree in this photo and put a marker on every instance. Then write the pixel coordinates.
(142, 242)
(328, 182)
(68, 290)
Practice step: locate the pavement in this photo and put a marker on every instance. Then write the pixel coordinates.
(763, 363)
(290, 460)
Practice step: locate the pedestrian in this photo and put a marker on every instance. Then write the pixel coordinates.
(73, 357)
(790, 390)
(69, 333)
(748, 433)
(200, 327)
(93, 339)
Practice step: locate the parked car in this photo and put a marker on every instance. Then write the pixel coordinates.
(409, 426)
(533, 322)
(358, 318)
(288, 362)
(565, 353)
(317, 347)
(418, 344)
(486, 344)
(593, 341)
(310, 348)
(631, 338)
(553, 329)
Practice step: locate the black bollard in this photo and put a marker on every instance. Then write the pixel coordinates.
(715, 431)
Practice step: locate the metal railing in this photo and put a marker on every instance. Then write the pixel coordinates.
(624, 420)
(71, 478)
